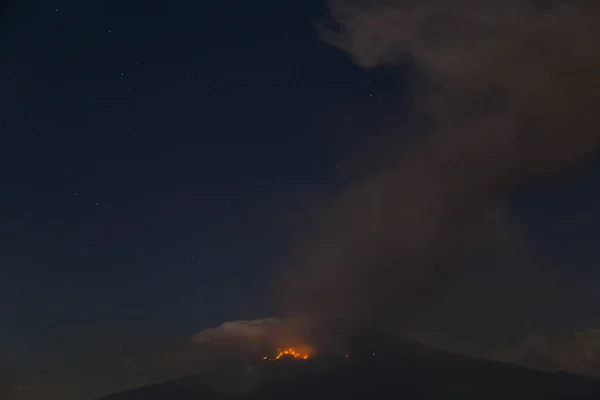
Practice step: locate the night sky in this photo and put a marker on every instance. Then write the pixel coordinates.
(156, 157)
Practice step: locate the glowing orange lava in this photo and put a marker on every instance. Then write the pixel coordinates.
(289, 352)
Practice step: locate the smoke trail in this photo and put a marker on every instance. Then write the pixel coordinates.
(512, 88)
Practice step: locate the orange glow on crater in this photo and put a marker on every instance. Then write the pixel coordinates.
(290, 352)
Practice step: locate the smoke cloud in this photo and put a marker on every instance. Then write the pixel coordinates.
(512, 89)
(228, 356)
(247, 340)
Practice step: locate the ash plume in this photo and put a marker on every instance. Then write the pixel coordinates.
(512, 89)
(229, 356)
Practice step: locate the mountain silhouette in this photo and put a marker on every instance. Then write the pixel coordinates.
(412, 372)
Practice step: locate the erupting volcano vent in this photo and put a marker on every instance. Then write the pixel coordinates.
(290, 353)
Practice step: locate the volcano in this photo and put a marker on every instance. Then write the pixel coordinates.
(413, 372)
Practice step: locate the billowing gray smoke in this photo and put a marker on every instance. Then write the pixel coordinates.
(513, 88)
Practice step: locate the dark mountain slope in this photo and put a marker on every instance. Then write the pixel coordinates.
(419, 373)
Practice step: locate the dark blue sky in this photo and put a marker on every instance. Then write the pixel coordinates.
(148, 151)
